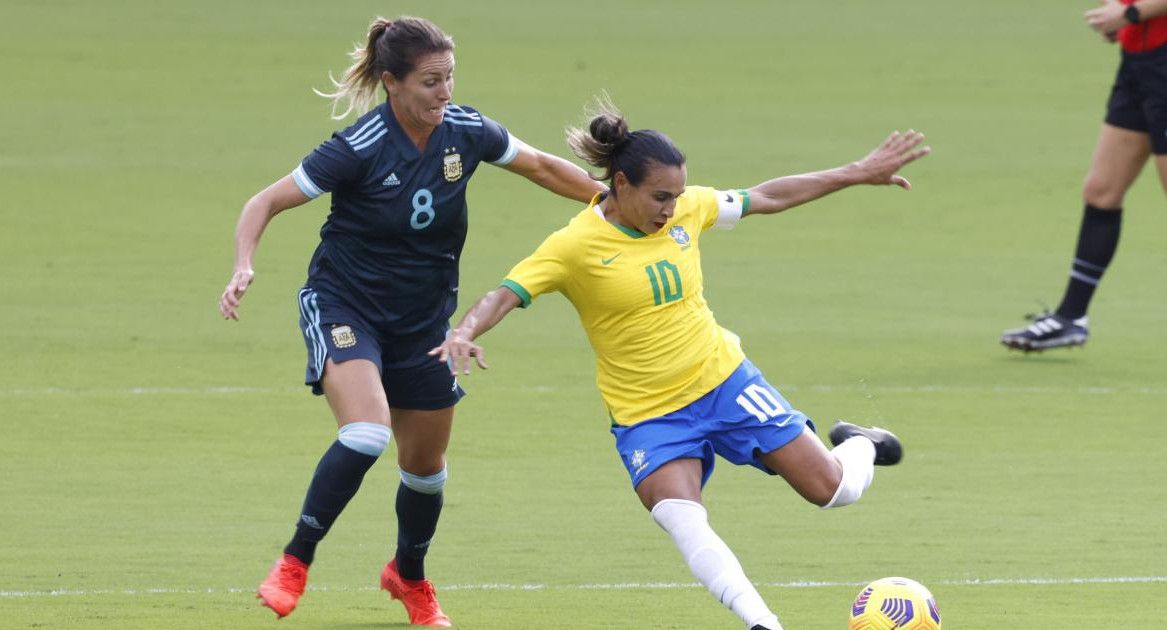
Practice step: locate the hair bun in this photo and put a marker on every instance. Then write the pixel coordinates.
(609, 129)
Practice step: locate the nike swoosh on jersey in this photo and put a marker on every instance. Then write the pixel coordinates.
(729, 197)
(607, 261)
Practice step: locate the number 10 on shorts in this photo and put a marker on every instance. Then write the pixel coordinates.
(760, 403)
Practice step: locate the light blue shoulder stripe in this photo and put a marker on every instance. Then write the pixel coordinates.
(375, 129)
(454, 109)
(461, 116)
(370, 141)
(307, 186)
(468, 123)
(372, 121)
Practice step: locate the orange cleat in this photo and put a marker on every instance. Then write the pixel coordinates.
(418, 596)
(284, 585)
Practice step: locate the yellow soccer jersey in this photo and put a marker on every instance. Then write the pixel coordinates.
(641, 301)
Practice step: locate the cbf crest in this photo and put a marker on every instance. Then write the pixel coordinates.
(452, 164)
(680, 236)
(343, 337)
(637, 460)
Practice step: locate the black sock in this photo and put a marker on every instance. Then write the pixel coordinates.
(1097, 241)
(337, 477)
(417, 520)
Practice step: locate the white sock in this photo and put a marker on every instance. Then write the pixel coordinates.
(857, 455)
(712, 562)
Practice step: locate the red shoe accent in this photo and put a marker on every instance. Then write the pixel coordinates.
(284, 585)
(418, 596)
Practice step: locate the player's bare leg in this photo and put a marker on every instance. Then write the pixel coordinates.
(840, 476)
(808, 467)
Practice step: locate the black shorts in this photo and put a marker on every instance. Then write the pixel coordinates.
(412, 379)
(1138, 100)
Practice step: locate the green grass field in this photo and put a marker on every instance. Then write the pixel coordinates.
(153, 457)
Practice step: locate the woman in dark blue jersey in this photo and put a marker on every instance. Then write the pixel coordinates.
(382, 285)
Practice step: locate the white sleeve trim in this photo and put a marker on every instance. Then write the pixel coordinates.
(730, 205)
(307, 186)
(513, 145)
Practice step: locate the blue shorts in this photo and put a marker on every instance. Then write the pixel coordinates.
(412, 379)
(740, 420)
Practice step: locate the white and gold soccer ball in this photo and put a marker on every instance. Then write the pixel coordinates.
(895, 603)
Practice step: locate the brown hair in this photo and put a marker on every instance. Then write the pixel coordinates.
(607, 144)
(392, 46)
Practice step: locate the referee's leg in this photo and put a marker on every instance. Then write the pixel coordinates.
(1161, 166)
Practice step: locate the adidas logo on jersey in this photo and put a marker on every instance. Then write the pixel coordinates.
(391, 180)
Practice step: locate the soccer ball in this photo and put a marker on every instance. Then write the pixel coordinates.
(895, 603)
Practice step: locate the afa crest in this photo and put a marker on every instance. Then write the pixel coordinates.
(343, 337)
(680, 236)
(452, 165)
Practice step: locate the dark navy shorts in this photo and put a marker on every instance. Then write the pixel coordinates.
(1138, 100)
(740, 419)
(411, 378)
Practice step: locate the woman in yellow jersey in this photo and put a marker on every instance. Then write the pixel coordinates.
(677, 386)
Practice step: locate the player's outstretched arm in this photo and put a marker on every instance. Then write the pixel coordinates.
(554, 173)
(459, 345)
(878, 168)
(257, 213)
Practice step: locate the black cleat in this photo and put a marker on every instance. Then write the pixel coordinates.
(888, 450)
(1048, 330)
(759, 627)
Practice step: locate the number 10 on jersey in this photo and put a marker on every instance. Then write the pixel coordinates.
(664, 274)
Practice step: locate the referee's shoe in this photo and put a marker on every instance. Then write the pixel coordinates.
(1048, 330)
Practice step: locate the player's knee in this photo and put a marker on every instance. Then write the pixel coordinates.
(1102, 193)
(824, 489)
(368, 438)
(676, 514)
(425, 484)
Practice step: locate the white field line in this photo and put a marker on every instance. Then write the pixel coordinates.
(1152, 579)
(861, 388)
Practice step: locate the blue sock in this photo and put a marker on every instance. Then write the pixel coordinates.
(417, 520)
(336, 480)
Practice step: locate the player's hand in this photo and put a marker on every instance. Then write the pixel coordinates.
(457, 350)
(1108, 18)
(899, 149)
(229, 301)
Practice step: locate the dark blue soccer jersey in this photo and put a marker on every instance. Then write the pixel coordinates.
(390, 246)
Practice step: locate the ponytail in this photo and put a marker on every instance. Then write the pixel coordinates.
(391, 46)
